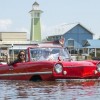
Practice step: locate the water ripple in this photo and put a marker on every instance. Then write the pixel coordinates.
(49, 90)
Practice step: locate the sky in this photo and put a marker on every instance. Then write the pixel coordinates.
(15, 16)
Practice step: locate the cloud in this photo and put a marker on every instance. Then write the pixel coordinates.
(45, 31)
(51, 30)
(24, 29)
(5, 24)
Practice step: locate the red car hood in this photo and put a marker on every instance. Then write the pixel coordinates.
(93, 61)
(78, 63)
(71, 63)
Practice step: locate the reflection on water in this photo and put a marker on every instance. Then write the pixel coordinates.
(53, 90)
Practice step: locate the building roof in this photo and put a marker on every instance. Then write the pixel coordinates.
(92, 44)
(35, 3)
(13, 36)
(3, 46)
(62, 29)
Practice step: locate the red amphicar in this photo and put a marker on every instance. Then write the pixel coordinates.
(49, 61)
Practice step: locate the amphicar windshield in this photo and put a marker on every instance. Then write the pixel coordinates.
(41, 54)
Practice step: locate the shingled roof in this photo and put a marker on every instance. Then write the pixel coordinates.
(64, 28)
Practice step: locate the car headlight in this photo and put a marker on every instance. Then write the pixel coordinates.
(98, 67)
(58, 68)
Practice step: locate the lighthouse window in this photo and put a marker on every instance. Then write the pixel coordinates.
(36, 14)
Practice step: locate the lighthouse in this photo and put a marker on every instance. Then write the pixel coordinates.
(35, 32)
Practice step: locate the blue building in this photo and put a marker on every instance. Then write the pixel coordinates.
(92, 47)
(75, 36)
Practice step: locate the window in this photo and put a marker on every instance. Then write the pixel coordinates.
(36, 15)
(70, 43)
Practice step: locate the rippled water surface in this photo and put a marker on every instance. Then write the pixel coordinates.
(53, 90)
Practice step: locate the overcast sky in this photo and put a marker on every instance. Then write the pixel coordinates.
(14, 14)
